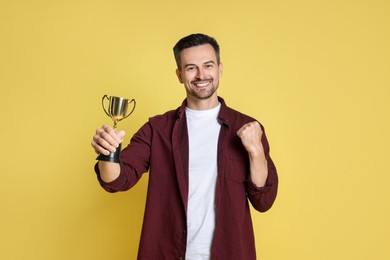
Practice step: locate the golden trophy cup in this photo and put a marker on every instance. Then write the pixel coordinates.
(117, 110)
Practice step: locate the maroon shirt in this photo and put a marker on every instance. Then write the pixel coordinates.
(161, 147)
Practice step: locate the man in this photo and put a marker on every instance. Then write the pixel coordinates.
(205, 160)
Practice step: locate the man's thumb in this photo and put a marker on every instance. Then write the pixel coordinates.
(121, 134)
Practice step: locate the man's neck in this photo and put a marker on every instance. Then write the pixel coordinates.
(202, 104)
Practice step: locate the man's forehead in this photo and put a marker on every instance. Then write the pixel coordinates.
(199, 54)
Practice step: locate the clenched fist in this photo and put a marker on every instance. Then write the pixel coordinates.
(250, 135)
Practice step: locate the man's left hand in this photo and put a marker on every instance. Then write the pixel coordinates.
(250, 135)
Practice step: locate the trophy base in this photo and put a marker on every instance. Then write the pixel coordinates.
(112, 157)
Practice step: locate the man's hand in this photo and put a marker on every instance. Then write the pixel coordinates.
(106, 140)
(250, 135)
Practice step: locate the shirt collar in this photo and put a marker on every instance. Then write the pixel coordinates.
(223, 113)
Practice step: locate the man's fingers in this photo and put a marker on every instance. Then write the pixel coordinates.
(117, 136)
(252, 127)
(106, 140)
(250, 135)
(98, 149)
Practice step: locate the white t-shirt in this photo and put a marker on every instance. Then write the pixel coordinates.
(203, 133)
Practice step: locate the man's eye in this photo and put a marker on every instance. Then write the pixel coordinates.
(190, 68)
(209, 66)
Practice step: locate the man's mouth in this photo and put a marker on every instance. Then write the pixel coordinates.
(201, 84)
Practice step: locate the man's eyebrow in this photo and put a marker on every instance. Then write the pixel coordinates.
(188, 65)
(207, 62)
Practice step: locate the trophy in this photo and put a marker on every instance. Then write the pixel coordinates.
(117, 110)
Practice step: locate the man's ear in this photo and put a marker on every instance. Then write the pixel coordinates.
(178, 74)
(220, 70)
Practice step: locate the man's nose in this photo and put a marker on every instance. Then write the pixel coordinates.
(200, 73)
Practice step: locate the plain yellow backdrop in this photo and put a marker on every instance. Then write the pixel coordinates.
(315, 73)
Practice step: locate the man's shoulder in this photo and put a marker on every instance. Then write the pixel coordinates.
(234, 115)
(165, 117)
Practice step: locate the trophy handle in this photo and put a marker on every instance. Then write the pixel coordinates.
(131, 101)
(105, 97)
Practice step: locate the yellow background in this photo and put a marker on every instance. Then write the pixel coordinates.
(315, 73)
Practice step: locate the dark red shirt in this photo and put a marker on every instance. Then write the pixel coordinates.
(161, 147)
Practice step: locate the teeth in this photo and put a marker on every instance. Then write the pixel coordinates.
(202, 84)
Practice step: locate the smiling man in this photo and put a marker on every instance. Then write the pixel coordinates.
(205, 160)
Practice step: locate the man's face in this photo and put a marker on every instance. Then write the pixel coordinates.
(199, 71)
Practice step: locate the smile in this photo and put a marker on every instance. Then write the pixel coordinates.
(201, 84)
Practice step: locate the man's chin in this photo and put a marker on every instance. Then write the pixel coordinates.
(203, 96)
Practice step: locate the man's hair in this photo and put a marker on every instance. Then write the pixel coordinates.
(192, 41)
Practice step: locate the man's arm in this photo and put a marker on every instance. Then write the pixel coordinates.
(250, 135)
(262, 186)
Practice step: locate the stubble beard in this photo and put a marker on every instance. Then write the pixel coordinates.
(204, 93)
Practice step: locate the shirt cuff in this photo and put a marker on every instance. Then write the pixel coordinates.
(253, 188)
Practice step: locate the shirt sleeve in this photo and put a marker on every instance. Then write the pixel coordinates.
(134, 162)
(262, 198)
